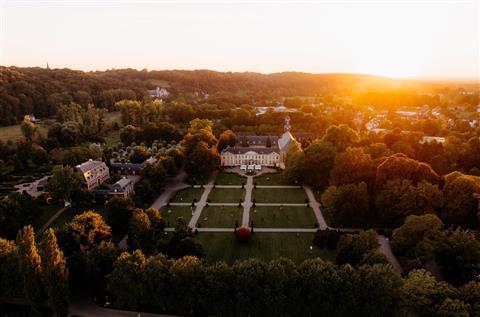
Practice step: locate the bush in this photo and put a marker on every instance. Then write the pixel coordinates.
(327, 239)
(243, 234)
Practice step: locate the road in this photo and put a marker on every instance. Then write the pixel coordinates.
(52, 219)
(387, 251)
(173, 185)
(85, 307)
(200, 204)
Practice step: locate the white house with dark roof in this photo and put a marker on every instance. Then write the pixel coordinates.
(122, 188)
(94, 173)
(258, 153)
(158, 93)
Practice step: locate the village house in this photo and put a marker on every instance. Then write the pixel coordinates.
(122, 188)
(128, 168)
(94, 173)
(158, 93)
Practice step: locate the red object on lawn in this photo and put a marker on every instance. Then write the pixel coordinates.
(243, 234)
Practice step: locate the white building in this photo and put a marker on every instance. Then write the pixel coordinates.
(158, 93)
(273, 156)
(94, 173)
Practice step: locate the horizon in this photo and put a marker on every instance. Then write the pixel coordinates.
(389, 39)
(412, 78)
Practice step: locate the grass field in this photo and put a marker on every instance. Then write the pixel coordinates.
(114, 116)
(13, 132)
(279, 195)
(282, 217)
(171, 213)
(271, 179)
(188, 195)
(45, 213)
(220, 217)
(230, 179)
(226, 195)
(265, 246)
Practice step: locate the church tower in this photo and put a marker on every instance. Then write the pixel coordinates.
(286, 125)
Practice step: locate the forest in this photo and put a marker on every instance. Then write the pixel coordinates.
(41, 91)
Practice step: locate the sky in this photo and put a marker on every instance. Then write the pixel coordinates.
(436, 39)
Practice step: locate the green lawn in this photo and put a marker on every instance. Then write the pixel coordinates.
(230, 179)
(45, 213)
(283, 217)
(220, 217)
(171, 213)
(279, 195)
(271, 179)
(265, 246)
(64, 217)
(226, 195)
(13, 132)
(114, 116)
(188, 195)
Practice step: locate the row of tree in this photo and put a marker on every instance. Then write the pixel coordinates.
(36, 271)
(189, 287)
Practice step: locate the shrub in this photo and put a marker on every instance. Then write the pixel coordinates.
(327, 238)
(243, 234)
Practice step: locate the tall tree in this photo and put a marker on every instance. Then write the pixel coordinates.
(84, 232)
(127, 280)
(461, 199)
(29, 129)
(54, 274)
(63, 183)
(11, 283)
(30, 265)
(421, 294)
(347, 205)
(227, 138)
(417, 236)
(341, 136)
(352, 166)
(401, 198)
(459, 256)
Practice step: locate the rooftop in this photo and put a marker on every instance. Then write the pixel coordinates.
(89, 165)
(258, 150)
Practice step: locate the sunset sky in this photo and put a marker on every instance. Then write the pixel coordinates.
(428, 39)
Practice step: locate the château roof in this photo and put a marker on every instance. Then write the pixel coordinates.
(257, 139)
(89, 165)
(285, 140)
(258, 150)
